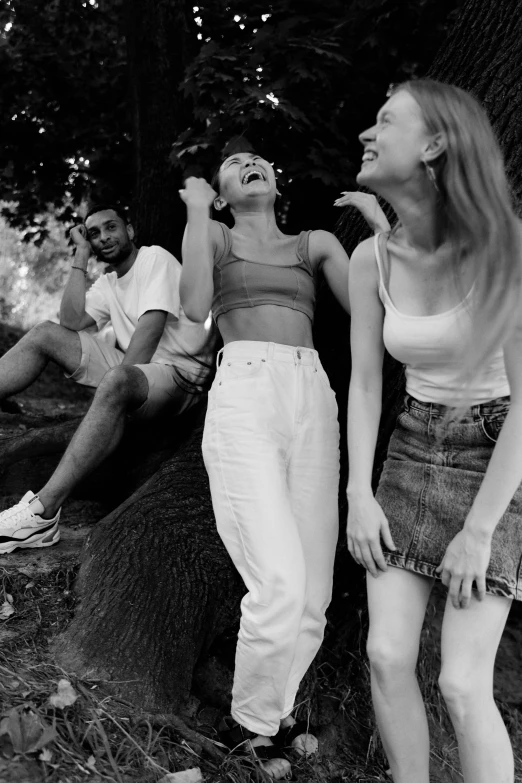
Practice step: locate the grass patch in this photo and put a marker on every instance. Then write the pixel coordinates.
(103, 738)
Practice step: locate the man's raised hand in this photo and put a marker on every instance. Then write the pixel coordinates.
(78, 236)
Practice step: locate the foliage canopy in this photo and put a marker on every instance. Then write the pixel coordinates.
(299, 78)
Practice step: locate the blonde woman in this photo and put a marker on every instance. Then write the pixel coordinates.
(442, 292)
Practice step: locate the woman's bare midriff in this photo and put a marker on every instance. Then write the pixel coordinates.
(266, 323)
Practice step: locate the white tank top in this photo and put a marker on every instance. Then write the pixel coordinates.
(432, 348)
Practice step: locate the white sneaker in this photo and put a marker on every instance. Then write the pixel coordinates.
(21, 527)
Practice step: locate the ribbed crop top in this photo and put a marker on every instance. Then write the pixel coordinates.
(288, 282)
(432, 348)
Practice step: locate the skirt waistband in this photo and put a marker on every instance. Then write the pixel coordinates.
(499, 405)
(254, 349)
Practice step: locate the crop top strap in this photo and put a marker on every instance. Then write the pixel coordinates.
(227, 243)
(380, 243)
(303, 251)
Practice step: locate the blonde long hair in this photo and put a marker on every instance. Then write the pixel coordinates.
(475, 212)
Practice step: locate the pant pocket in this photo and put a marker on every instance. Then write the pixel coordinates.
(491, 426)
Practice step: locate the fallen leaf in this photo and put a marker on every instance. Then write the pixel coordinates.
(306, 744)
(27, 730)
(45, 755)
(65, 695)
(185, 776)
(6, 610)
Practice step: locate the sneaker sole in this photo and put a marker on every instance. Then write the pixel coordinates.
(48, 538)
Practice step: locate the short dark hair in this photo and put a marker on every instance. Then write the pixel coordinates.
(120, 211)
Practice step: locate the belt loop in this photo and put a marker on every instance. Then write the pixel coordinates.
(219, 357)
(271, 351)
(430, 416)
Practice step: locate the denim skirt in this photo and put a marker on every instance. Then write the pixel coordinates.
(430, 479)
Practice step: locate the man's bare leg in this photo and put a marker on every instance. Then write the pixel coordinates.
(122, 390)
(26, 360)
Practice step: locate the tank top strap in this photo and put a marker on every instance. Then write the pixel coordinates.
(380, 243)
(303, 250)
(227, 244)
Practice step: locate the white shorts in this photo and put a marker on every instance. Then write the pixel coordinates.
(165, 384)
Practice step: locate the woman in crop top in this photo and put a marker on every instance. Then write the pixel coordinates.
(271, 439)
(442, 292)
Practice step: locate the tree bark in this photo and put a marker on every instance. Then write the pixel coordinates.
(483, 54)
(158, 44)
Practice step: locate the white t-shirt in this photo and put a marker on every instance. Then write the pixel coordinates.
(152, 283)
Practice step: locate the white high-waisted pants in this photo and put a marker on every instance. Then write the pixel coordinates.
(271, 449)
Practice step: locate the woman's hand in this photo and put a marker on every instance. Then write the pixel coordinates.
(368, 206)
(197, 193)
(366, 525)
(466, 561)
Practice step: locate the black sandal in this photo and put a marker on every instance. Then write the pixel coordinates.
(235, 738)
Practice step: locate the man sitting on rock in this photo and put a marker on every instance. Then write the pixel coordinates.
(159, 363)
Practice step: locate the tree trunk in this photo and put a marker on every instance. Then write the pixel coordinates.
(158, 44)
(156, 586)
(483, 54)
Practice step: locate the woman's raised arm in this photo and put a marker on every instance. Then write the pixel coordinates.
(368, 206)
(201, 241)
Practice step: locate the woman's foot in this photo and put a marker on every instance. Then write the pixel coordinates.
(298, 736)
(277, 768)
(240, 740)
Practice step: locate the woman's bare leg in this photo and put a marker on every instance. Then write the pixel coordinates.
(397, 601)
(470, 639)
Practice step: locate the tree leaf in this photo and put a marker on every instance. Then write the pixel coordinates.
(65, 695)
(26, 729)
(46, 755)
(185, 776)
(6, 610)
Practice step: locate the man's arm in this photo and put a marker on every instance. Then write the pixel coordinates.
(72, 307)
(145, 339)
